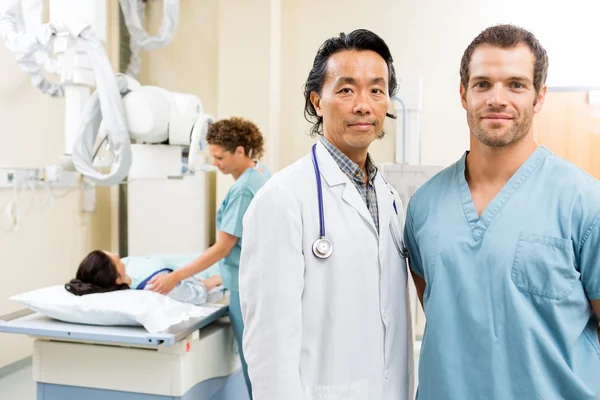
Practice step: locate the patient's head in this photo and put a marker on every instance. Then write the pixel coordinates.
(99, 272)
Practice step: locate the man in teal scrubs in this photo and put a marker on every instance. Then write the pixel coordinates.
(504, 246)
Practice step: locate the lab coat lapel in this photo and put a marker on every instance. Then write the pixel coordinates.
(333, 176)
(385, 205)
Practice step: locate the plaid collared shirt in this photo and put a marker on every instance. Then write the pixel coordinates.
(357, 177)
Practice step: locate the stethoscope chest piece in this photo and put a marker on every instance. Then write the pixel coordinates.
(322, 248)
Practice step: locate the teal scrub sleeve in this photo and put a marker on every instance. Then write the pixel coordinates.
(589, 260)
(414, 256)
(233, 213)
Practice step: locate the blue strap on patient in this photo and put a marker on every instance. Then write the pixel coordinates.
(142, 285)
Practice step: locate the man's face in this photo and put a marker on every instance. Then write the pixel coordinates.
(354, 99)
(500, 98)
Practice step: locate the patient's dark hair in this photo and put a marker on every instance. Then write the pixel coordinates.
(96, 274)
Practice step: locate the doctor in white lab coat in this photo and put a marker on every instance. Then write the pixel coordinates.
(337, 328)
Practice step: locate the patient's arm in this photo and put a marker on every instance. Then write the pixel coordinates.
(212, 282)
(190, 291)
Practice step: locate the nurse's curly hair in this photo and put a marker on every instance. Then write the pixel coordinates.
(97, 273)
(233, 132)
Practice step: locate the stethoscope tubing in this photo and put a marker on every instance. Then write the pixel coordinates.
(319, 191)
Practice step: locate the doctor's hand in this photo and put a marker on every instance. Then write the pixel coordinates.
(163, 284)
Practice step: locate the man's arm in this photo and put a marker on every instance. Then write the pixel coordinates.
(596, 307)
(420, 285)
(414, 256)
(271, 283)
(590, 265)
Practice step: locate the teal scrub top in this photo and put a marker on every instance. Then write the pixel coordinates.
(231, 214)
(507, 298)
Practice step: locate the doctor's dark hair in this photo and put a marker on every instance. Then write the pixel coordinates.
(359, 40)
(96, 274)
(233, 132)
(507, 37)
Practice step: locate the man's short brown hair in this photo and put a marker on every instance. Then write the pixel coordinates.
(508, 37)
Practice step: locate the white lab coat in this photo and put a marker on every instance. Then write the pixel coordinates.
(335, 329)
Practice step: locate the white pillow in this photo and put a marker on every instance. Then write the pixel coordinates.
(153, 311)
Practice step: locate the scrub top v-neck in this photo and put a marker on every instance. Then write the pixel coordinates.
(507, 295)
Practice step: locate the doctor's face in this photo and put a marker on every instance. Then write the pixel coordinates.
(354, 99)
(500, 99)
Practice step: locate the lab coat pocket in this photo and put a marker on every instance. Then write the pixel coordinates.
(544, 266)
(357, 390)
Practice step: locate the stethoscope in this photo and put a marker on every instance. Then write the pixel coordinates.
(322, 247)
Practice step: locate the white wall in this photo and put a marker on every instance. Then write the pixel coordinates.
(54, 237)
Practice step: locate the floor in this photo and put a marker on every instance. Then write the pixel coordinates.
(18, 385)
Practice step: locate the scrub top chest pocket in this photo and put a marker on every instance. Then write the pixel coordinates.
(544, 266)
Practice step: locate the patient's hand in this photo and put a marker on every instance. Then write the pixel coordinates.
(163, 284)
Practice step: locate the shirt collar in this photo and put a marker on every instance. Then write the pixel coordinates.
(349, 167)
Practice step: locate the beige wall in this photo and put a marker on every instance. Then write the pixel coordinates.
(434, 35)
(306, 24)
(224, 52)
(249, 70)
(230, 58)
(189, 63)
(55, 235)
(427, 38)
(228, 53)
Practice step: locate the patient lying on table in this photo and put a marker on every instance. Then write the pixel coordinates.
(101, 271)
